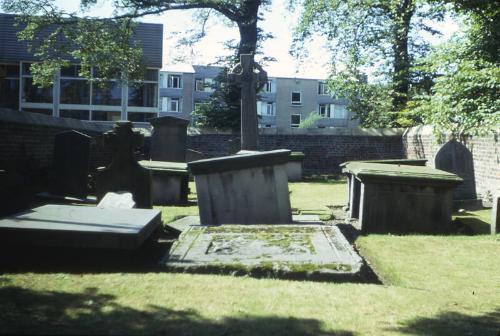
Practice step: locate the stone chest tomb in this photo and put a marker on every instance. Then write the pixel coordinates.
(400, 198)
(248, 188)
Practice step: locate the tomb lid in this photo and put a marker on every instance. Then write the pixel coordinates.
(296, 156)
(168, 120)
(407, 162)
(174, 167)
(240, 161)
(367, 170)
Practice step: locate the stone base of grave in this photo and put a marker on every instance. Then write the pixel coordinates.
(294, 166)
(80, 226)
(170, 182)
(290, 251)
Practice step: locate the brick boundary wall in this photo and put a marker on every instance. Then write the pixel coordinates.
(420, 143)
(27, 140)
(323, 153)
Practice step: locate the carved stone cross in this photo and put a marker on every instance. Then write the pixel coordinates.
(251, 77)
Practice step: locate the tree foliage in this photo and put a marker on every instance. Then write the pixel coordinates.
(222, 110)
(105, 43)
(368, 34)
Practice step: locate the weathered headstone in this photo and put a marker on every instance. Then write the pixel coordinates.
(71, 164)
(495, 215)
(125, 173)
(117, 200)
(243, 189)
(455, 158)
(168, 140)
(251, 81)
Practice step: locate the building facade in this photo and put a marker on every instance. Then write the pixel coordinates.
(72, 96)
(282, 103)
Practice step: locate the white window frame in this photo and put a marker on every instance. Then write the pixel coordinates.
(291, 118)
(201, 82)
(323, 88)
(269, 86)
(270, 105)
(343, 110)
(296, 103)
(170, 81)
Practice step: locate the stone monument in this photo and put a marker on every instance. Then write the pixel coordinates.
(71, 164)
(251, 77)
(455, 158)
(249, 188)
(125, 173)
(168, 140)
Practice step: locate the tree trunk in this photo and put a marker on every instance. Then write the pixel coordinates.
(401, 63)
(247, 26)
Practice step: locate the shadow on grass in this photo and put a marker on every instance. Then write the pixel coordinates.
(454, 323)
(25, 311)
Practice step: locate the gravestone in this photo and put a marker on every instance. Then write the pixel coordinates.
(71, 164)
(168, 140)
(170, 181)
(80, 226)
(390, 198)
(495, 215)
(125, 173)
(455, 158)
(117, 200)
(248, 188)
(251, 77)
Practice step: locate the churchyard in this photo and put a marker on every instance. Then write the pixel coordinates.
(251, 246)
(425, 285)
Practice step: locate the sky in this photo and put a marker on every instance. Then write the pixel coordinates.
(278, 20)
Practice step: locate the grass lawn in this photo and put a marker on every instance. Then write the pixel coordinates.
(433, 285)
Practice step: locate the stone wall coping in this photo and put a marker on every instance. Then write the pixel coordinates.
(240, 161)
(415, 174)
(168, 120)
(406, 162)
(340, 131)
(37, 119)
(166, 166)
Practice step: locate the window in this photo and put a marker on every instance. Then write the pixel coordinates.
(9, 86)
(199, 85)
(75, 91)
(106, 115)
(295, 120)
(204, 85)
(75, 114)
(296, 98)
(268, 87)
(174, 81)
(322, 88)
(140, 116)
(339, 112)
(324, 110)
(170, 104)
(30, 92)
(107, 93)
(270, 109)
(143, 95)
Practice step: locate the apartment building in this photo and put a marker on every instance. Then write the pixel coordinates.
(282, 103)
(72, 96)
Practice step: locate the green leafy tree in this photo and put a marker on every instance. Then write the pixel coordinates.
(371, 34)
(310, 121)
(222, 110)
(105, 42)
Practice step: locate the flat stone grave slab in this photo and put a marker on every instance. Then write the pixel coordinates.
(80, 226)
(284, 250)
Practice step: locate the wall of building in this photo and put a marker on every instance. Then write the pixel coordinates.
(421, 143)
